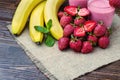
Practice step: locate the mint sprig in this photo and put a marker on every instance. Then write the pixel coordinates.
(49, 40)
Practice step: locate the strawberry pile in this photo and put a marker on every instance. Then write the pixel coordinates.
(80, 33)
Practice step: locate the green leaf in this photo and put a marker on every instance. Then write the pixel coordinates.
(49, 24)
(78, 8)
(110, 31)
(41, 29)
(50, 41)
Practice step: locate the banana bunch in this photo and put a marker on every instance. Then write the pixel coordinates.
(40, 12)
(22, 13)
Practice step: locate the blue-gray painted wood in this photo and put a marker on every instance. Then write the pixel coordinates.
(16, 65)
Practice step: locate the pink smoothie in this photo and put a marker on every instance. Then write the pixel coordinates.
(81, 3)
(101, 10)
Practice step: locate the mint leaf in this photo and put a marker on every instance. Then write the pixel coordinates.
(49, 24)
(50, 41)
(41, 29)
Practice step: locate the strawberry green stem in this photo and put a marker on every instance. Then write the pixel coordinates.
(100, 22)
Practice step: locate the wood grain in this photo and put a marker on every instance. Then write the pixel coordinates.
(16, 65)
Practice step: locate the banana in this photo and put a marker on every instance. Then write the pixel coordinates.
(37, 19)
(21, 15)
(50, 12)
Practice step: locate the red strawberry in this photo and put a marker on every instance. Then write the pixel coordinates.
(93, 39)
(83, 12)
(63, 43)
(60, 14)
(78, 21)
(107, 33)
(71, 10)
(89, 25)
(100, 30)
(115, 3)
(65, 20)
(103, 42)
(79, 32)
(68, 30)
(87, 47)
(76, 45)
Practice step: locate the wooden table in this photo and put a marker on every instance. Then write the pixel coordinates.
(16, 65)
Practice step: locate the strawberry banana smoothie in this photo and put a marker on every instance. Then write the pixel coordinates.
(101, 10)
(81, 3)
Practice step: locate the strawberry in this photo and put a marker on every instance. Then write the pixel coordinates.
(65, 20)
(108, 32)
(103, 42)
(89, 25)
(71, 10)
(76, 45)
(83, 12)
(93, 39)
(63, 43)
(87, 47)
(115, 3)
(78, 21)
(79, 32)
(68, 30)
(100, 30)
(60, 14)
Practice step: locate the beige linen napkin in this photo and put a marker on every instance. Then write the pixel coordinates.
(68, 65)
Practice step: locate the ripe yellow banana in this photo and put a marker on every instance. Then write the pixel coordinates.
(50, 12)
(37, 19)
(21, 15)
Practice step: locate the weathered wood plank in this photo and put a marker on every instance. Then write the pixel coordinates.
(3, 25)
(16, 65)
(7, 5)
(7, 9)
(9, 1)
(108, 72)
(6, 14)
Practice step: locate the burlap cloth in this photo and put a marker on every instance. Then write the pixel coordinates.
(68, 65)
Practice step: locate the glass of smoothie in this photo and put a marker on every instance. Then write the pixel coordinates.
(101, 11)
(81, 3)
